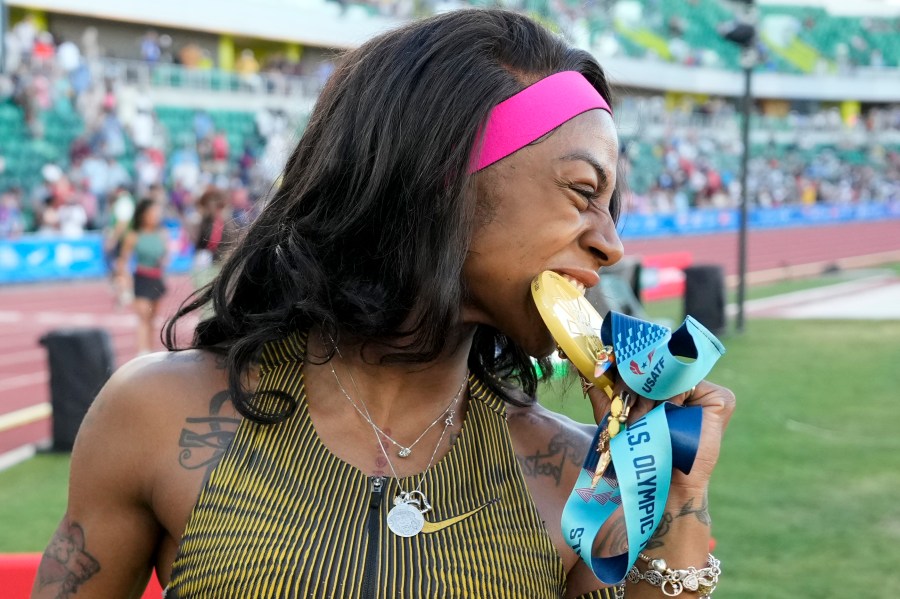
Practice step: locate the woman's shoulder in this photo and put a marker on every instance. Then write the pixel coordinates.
(537, 422)
(550, 447)
(148, 400)
(167, 376)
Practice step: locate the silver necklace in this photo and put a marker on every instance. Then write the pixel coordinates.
(407, 517)
(403, 450)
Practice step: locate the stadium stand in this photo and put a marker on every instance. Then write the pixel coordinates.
(70, 116)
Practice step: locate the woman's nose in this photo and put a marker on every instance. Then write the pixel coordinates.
(603, 242)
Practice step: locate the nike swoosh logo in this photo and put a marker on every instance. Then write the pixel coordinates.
(442, 524)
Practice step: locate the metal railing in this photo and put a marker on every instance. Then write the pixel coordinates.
(146, 75)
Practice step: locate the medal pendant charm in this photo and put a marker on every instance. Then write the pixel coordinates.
(603, 461)
(405, 519)
(602, 464)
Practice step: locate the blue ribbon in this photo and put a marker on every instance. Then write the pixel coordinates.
(658, 364)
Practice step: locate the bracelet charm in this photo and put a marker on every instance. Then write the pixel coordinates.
(674, 582)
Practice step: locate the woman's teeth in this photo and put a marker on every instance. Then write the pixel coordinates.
(577, 284)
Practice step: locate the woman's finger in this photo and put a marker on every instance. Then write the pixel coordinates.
(600, 402)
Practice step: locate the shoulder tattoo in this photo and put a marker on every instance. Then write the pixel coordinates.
(204, 439)
(66, 562)
(564, 447)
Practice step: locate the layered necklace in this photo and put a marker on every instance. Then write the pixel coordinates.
(407, 517)
(403, 450)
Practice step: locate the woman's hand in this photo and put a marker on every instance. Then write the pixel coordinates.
(718, 405)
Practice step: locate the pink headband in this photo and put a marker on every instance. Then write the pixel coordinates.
(533, 112)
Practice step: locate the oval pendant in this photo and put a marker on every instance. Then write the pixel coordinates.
(404, 520)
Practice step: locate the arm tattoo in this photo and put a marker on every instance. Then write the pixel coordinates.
(702, 512)
(562, 447)
(204, 440)
(613, 537)
(665, 523)
(65, 561)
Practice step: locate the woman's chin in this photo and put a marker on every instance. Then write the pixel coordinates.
(540, 344)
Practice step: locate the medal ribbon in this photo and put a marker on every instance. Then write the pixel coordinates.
(658, 364)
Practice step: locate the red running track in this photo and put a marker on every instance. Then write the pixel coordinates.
(28, 312)
(769, 249)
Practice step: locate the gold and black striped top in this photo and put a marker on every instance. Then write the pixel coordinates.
(281, 516)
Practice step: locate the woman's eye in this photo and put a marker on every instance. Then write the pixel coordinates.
(589, 195)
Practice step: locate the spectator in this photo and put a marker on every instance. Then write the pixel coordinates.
(214, 230)
(150, 50)
(72, 216)
(12, 218)
(121, 214)
(203, 125)
(25, 32)
(147, 242)
(220, 151)
(44, 51)
(68, 56)
(247, 69)
(190, 56)
(143, 126)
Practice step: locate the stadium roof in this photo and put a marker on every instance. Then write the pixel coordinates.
(312, 22)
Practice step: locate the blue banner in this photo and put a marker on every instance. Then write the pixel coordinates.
(46, 258)
(712, 220)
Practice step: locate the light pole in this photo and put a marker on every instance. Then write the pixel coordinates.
(743, 33)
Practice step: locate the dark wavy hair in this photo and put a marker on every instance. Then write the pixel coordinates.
(137, 219)
(369, 229)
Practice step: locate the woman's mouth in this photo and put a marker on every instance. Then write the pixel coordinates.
(575, 282)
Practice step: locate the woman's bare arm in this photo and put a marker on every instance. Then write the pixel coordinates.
(105, 544)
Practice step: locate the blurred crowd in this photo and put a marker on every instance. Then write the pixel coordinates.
(125, 153)
(686, 32)
(689, 156)
(694, 175)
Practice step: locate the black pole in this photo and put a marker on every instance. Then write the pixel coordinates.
(745, 156)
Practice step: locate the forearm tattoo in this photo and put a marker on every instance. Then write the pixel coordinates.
(204, 439)
(688, 509)
(701, 513)
(665, 523)
(613, 537)
(65, 561)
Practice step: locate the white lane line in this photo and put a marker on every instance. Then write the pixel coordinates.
(9, 316)
(23, 380)
(30, 355)
(69, 318)
(25, 416)
(16, 456)
(825, 292)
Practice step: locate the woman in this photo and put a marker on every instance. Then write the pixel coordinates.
(212, 236)
(369, 358)
(147, 242)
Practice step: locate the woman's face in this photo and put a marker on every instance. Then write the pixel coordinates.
(546, 207)
(153, 217)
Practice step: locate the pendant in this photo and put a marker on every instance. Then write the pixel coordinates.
(604, 460)
(404, 452)
(404, 519)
